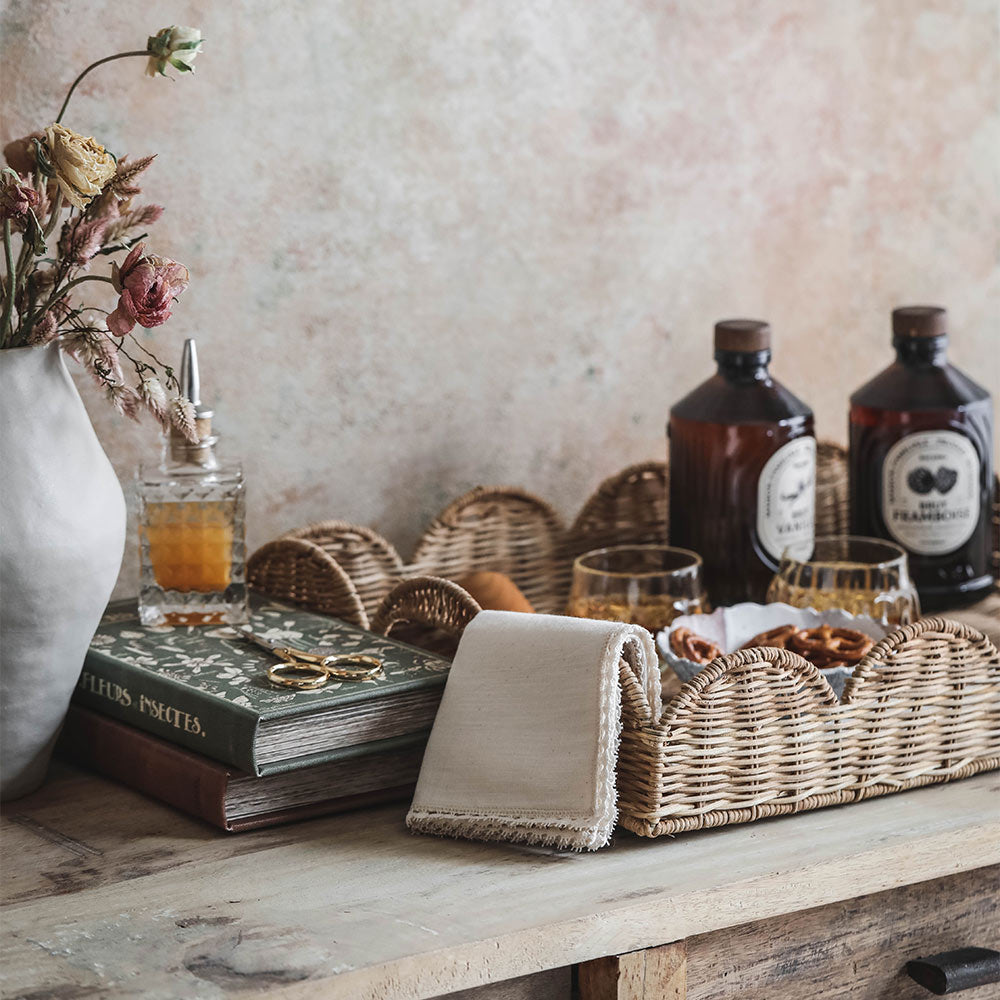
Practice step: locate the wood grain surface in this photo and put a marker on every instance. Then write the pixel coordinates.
(852, 950)
(109, 894)
(553, 984)
(653, 974)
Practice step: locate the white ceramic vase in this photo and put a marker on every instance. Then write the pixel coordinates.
(62, 534)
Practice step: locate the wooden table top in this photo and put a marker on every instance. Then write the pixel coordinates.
(107, 893)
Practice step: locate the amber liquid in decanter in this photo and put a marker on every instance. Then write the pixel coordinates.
(921, 462)
(742, 469)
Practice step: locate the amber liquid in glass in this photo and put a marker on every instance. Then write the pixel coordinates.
(721, 437)
(916, 414)
(190, 544)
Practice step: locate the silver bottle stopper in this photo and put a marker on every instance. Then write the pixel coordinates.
(201, 453)
(190, 379)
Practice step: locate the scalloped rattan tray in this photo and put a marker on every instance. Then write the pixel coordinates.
(757, 733)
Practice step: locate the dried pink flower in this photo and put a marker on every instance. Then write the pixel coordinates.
(17, 197)
(148, 286)
(154, 396)
(182, 417)
(45, 329)
(144, 215)
(124, 399)
(123, 219)
(94, 350)
(81, 239)
(122, 185)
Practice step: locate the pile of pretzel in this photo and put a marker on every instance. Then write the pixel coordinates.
(823, 646)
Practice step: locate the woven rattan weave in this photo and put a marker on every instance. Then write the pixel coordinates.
(760, 733)
(756, 733)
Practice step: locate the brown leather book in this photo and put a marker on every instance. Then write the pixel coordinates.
(230, 799)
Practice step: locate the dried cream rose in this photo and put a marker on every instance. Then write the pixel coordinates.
(176, 45)
(82, 166)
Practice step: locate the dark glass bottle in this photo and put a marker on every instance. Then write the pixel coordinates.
(921, 464)
(742, 468)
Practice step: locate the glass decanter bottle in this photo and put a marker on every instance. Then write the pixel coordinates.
(921, 462)
(192, 547)
(742, 468)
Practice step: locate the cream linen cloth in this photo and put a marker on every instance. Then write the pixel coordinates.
(525, 742)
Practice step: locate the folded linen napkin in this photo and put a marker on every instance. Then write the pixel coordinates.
(525, 742)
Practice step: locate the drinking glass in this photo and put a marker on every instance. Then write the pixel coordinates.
(649, 585)
(863, 576)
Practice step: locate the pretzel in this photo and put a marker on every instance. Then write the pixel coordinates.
(825, 646)
(684, 643)
(772, 637)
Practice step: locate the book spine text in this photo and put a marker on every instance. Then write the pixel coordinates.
(167, 709)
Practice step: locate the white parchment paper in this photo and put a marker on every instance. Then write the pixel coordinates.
(729, 628)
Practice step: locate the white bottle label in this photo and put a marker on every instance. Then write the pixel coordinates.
(930, 491)
(786, 500)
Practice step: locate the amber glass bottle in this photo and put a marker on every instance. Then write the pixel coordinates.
(921, 462)
(742, 468)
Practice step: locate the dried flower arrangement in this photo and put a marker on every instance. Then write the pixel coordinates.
(57, 169)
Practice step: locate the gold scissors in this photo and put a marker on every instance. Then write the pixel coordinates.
(305, 671)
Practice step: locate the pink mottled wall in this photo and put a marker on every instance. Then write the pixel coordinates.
(449, 242)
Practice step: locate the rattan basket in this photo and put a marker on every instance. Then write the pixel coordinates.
(757, 733)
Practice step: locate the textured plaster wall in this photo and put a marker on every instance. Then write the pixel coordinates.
(449, 242)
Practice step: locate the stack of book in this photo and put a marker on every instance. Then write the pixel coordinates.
(186, 714)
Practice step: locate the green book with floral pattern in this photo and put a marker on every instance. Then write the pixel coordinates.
(205, 688)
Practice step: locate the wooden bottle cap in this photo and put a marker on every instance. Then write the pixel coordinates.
(742, 335)
(919, 321)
